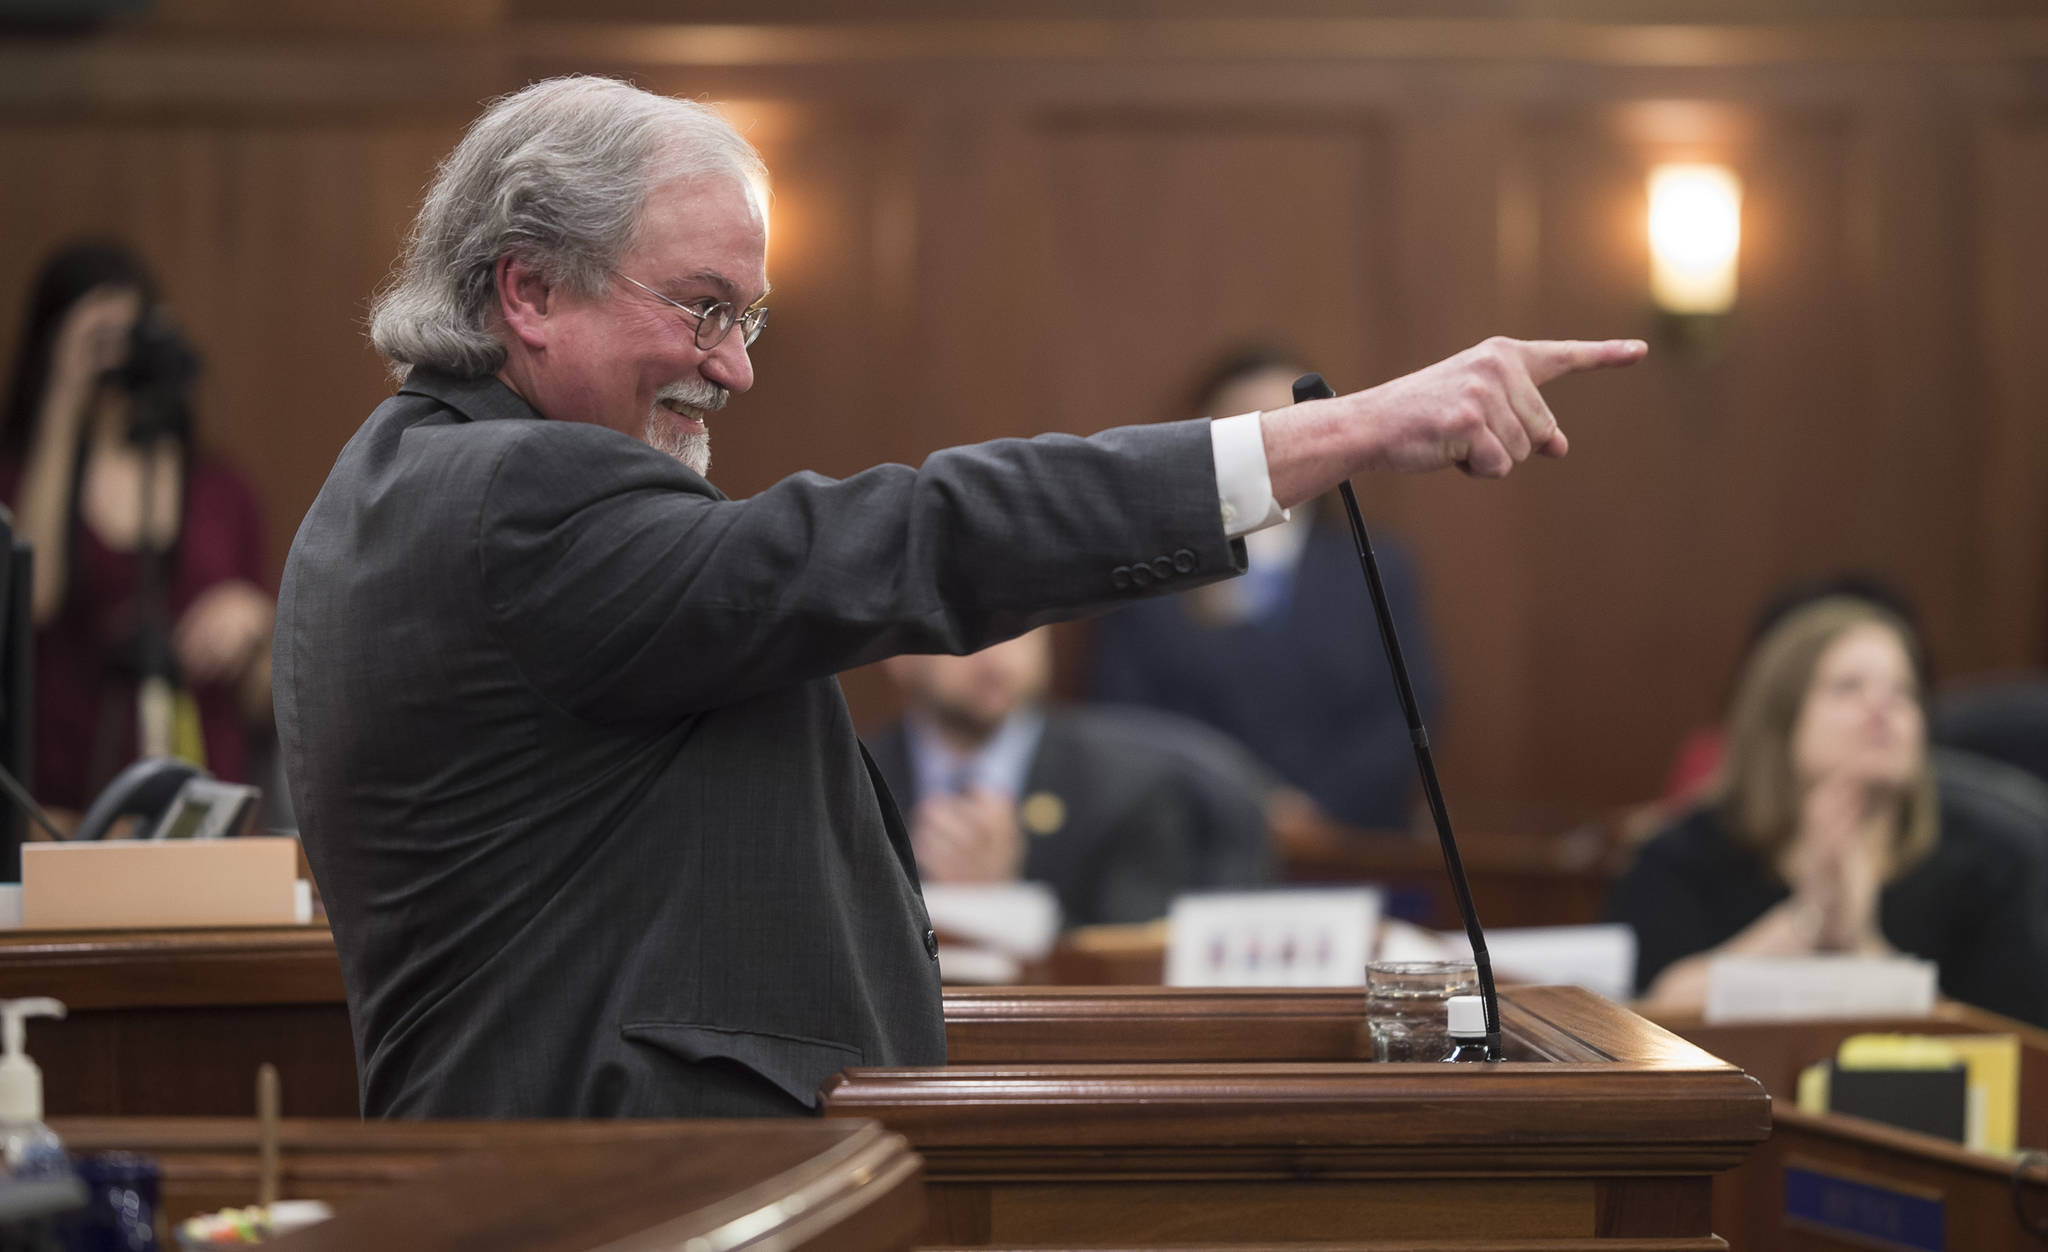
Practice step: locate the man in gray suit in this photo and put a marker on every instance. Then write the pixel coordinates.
(594, 831)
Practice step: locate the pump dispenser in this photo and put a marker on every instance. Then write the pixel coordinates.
(29, 1148)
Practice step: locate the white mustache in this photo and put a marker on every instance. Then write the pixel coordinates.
(695, 393)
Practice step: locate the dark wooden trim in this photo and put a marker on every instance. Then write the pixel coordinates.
(173, 968)
(559, 1185)
(386, 72)
(1070, 1024)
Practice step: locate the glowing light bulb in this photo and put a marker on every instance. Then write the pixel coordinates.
(1695, 237)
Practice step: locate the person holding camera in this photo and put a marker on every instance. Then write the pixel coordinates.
(151, 612)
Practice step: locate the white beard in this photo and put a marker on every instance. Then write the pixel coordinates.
(664, 433)
(692, 449)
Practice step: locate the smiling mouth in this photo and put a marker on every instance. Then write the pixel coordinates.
(684, 411)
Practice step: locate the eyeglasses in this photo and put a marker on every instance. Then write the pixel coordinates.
(715, 322)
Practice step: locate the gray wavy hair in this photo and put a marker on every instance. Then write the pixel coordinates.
(556, 173)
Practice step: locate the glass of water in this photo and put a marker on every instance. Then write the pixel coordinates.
(1406, 1006)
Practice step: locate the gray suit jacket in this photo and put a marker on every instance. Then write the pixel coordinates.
(571, 766)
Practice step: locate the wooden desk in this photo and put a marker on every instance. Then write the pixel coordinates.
(1864, 1169)
(1775, 1052)
(546, 1186)
(1603, 1133)
(987, 1026)
(176, 1022)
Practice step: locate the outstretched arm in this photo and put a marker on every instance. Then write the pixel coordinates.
(1479, 410)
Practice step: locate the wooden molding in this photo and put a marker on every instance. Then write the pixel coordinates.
(559, 1185)
(173, 968)
(403, 70)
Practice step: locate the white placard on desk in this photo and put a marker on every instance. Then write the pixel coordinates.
(1306, 938)
(1796, 988)
(1019, 919)
(1601, 958)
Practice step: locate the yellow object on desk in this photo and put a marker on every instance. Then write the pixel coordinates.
(1991, 1064)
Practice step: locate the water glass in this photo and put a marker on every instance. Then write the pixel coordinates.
(1407, 1005)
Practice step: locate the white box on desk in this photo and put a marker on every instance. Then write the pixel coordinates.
(130, 884)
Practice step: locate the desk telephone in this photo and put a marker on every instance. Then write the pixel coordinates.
(174, 800)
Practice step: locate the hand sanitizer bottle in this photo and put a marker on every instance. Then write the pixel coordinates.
(29, 1148)
(1468, 1029)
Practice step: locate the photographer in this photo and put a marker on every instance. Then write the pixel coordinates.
(148, 553)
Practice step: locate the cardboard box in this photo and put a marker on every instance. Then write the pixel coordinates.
(137, 884)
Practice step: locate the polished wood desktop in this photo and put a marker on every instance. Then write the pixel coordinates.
(544, 1186)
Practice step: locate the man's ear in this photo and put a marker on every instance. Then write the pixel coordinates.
(524, 299)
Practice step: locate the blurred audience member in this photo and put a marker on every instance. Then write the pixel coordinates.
(97, 462)
(1285, 659)
(1826, 832)
(1117, 812)
(1699, 756)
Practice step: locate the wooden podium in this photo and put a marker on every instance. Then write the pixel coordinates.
(1153, 1117)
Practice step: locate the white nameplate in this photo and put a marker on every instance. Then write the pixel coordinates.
(1601, 958)
(1020, 919)
(1307, 938)
(1794, 988)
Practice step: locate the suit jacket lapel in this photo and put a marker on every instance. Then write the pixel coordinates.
(892, 819)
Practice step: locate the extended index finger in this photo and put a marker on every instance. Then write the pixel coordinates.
(1548, 359)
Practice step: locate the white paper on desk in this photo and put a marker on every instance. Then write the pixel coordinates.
(1019, 919)
(984, 966)
(1306, 938)
(1796, 988)
(1602, 958)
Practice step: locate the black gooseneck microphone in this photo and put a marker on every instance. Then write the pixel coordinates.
(1312, 387)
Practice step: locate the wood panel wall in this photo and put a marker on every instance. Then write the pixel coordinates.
(1046, 217)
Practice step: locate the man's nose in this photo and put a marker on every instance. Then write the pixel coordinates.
(728, 364)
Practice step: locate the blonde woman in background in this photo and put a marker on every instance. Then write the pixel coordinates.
(1826, 833)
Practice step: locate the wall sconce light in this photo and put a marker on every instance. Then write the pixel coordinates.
(1695, 239)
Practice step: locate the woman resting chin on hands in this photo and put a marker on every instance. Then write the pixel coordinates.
(1825, 833)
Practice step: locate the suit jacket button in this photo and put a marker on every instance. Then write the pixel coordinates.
(1162, 567)
(1141, 575)
(1120, 578)
(931, 944)
(1184, 561)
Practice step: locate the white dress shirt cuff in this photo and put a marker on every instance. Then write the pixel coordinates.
(1242, 482)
